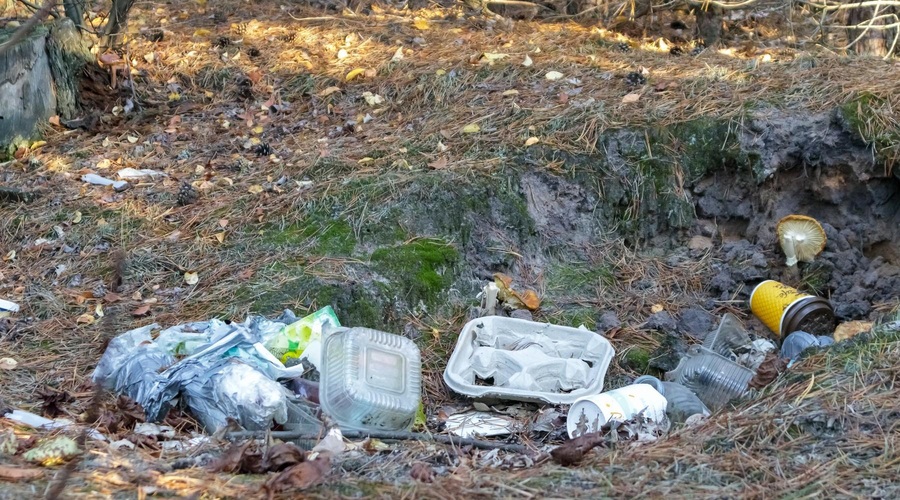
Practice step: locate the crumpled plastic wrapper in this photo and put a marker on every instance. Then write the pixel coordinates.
(227, 374)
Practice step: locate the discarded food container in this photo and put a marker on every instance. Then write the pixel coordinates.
(784, 310)
(712, 377)
(682, 403)
(799, 341)
(292, 341)
(370, 380)
(589, 414)
(521, 360)
(728, 337)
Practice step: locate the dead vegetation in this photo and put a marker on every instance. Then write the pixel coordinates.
(271, 120)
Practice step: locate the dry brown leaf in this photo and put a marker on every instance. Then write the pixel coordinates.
(851, 329)
(245, 274)
(54, 120)
(422, 472)
(141, 311)
(631, 98)
(10, 473)
(439, 164)
(85, 319)
(111, 298)
(300, 476)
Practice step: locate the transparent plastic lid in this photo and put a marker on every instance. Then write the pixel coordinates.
(370, 380)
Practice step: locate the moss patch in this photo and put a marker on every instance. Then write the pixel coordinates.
(418, 271)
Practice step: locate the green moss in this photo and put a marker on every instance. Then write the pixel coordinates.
(704, 145)
(418, 271)
(637, 359)
(321, 237)
(871, 118)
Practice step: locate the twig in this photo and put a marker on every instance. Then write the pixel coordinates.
(26, 28)
(34, 7)
(389, 435)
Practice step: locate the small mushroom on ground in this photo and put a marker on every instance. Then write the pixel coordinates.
(114, 62)
(801, 238)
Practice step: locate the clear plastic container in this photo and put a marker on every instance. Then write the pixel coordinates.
(728, 337)
(682, 403)
(713, 378)
(370, 380)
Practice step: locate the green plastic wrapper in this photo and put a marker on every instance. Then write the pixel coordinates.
(289, 344)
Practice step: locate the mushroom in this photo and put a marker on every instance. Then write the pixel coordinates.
(114, 62)
(801, 238)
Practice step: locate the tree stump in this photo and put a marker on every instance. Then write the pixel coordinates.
(26, 90)
(874, 41)
(69, 54)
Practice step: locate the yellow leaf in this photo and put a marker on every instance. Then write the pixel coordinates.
(367, 159)
(37, 144)
(655, 308)
(76, 218)
(101, 222)
(421, 24)
(174, 96)
(330, 90)
(191, 278)
(257, 129)
(10, 256)
(531, 141)
(471, 128)
(355, 73)
(630, 98)
(132, 139)
(440, 72)
(85, 319)
(553, 76)
(220, 237)
(201, 32)
(510, 92)
(98, 310)
(255, 189)
(490, 58)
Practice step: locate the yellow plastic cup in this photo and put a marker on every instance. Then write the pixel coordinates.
(785, 309)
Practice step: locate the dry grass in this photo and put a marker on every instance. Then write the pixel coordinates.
(189, 87)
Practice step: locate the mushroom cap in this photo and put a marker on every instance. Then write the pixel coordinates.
(110, 58)
(801, 238)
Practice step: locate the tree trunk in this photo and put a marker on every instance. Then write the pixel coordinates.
(118, 19)
(68, 56)
(709, 23)
(26, 91)
(874, 42)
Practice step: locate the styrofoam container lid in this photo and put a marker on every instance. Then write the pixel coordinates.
(579, 343)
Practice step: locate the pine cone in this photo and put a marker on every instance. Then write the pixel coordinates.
(187, 194)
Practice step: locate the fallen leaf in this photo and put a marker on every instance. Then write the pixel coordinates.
(372, 99)
(527, 62)
(553, 76)
(191, 278)
(439, 164)
(54, 120)
(328, 91)
(630, 98)
(76, 219)
(768, 371)
(300, 476)
(472, 128)
(398, 55)
(422, 472)
(255, 76)
(53, 451)
(223, 223)
(136, 296)
(354, 73)
(141, 311)
(572, 452)
(10, 473)
(111, 298)
(510, 92)
(283, 455)
(8, 364)
(98, 310)
(528, 300)
(491, 58)
(85, 319)
(655, 308)
(531, 141)
(421, 24)
(255, 189)
(851, 329)
(245, 274)
(220, 237)
(10, 256)
(201, 32)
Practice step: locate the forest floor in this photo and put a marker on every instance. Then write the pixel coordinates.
(285, 137)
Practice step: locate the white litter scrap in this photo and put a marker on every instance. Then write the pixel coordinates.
(8, 307)
(139, 174)
(479, 423)
(520, 360)
(99, 180)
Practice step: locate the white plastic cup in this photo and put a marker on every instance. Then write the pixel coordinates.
(590, 413)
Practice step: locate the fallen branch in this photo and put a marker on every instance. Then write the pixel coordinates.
(387, 435)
